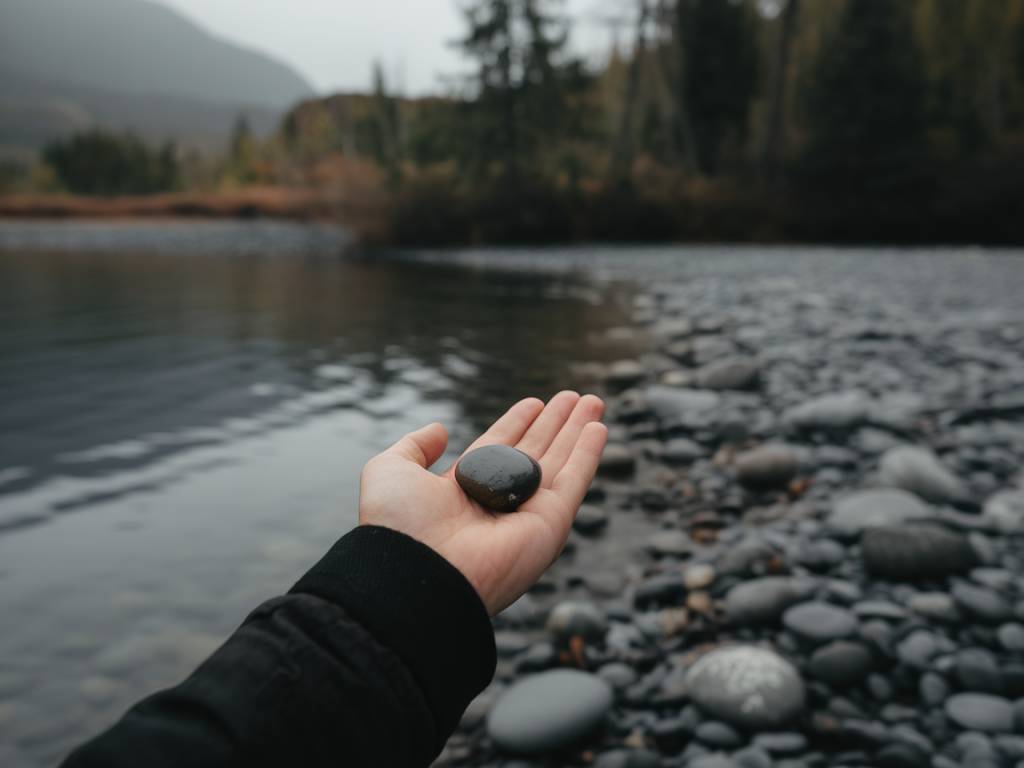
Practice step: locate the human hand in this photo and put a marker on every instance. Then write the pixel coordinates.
(501, 555)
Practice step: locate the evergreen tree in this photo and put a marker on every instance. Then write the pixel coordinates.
(866, 107)
(521, 93)
(718, 59)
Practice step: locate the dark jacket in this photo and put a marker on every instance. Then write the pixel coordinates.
(369, 660)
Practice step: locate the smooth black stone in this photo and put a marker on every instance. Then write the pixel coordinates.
(718, 734)
(901, 756)
(841, 663)
(498, 477)
(978, 670)
(916, 552)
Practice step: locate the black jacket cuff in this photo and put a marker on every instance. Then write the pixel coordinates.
(418, 604)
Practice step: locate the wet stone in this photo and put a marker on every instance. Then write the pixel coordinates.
(981, 712)
(699, 576)
(981, 603)
(624, 373)
(918, 649)
(574, 618)
(616, 461)
(730, 373)
(766, 467)
(762, 601)
(836, 411)
(819, 622)
(919, 471)
(718, 734)
(933, 689)
(670, 543)
(1005, 511)
(977, 669)
(549, 711)
(752, 757)
(841, 663)
(916, 552)
(498, 477)
(876, 507)
(937, 606)
(749, 687)
(590, 520)
(784, 743)
(681, 450)
(1011, 637)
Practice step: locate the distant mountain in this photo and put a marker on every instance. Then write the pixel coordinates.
(65, 64)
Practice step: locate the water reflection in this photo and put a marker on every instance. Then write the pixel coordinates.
(103, 348)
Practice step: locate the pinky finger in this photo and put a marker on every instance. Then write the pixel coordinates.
(573, 480)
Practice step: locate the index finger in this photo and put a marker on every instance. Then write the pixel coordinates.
(573, 480)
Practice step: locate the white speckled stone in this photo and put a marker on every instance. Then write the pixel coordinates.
(747, 686)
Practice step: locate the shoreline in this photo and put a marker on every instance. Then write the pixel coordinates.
(255, 203)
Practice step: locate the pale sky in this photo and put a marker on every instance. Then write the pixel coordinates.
(333, 43)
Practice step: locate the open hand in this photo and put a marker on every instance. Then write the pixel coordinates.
(500, 555)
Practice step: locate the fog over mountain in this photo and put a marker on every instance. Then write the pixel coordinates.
(129, 63)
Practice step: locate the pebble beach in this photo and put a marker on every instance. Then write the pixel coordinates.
(802, 550)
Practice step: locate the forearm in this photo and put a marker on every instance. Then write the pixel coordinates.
(382, 637)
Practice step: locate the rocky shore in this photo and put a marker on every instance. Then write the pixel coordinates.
(803, 550)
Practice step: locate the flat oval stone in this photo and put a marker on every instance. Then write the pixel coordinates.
(498, 476)
(549, 711)
(747, 686)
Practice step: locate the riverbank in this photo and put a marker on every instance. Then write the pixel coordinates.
(261, 202)
(823, 494)
(963, 203)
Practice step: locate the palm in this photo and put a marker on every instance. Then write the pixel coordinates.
(501, 555)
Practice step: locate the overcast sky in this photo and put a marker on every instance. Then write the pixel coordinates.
(333, 43)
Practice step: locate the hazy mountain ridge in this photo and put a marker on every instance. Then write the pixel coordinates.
(65, 64)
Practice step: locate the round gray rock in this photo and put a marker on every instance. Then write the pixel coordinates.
(835, 411)
(919, 471)
(669, 543)
(731, 373)
(841, 663)
(762, 601)
(549, 711)
(767, 467)
(668, 403)
(576, 618)
(681, 450)
(616, 461)
(859, 511)
(1005, 510)
(980, 712)
(750, 687)
(819, 622)
(624, 373)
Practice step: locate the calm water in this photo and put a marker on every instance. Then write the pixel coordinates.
(184, 409)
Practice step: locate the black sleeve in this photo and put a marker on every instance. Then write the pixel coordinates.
(369, 660)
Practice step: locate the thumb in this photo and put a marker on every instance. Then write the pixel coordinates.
(423, 447)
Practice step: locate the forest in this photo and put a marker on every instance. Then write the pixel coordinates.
(778, 120)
